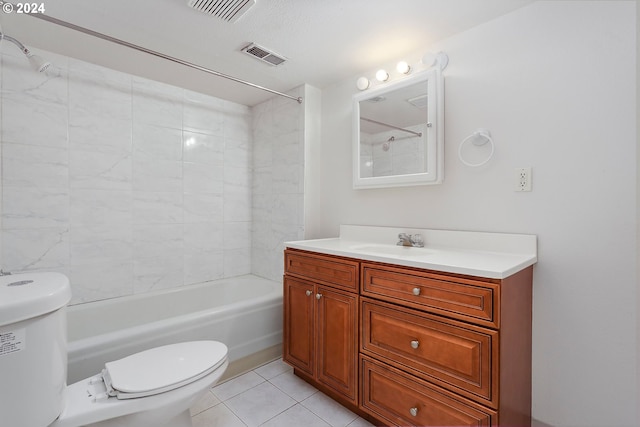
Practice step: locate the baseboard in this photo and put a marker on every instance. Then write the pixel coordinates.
(537, 423)
(252, 361)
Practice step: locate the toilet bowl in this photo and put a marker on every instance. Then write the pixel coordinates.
(155, 387)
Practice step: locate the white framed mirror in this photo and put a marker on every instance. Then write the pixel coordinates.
(398, 132)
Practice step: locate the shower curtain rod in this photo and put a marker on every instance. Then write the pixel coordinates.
(392, 126)
(393, 138)
(158, 54)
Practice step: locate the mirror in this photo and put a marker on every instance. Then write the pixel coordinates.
(398, 132)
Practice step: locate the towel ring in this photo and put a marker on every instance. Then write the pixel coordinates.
(478, 138)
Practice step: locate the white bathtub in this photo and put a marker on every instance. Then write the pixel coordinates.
(244, 312)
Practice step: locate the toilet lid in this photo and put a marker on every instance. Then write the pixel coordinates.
(163, 368)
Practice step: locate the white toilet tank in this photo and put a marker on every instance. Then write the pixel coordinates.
(33, 348)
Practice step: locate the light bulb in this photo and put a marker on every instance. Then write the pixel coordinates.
(362, 83)
(403, 67)
(382, 76)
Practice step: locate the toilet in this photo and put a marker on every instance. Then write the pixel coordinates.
(155, 387)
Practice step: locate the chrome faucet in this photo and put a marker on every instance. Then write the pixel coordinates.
(414, 240)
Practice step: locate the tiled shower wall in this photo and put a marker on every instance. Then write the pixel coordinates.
(124, 184)
(278, 180)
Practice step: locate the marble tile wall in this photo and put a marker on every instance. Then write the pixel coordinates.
(124, 184)
(278, 181)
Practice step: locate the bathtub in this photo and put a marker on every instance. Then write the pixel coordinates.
(244, 312)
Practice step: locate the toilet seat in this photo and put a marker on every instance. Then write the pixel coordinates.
(162, 369)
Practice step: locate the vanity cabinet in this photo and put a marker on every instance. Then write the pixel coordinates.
(321, 322)
(410, 346)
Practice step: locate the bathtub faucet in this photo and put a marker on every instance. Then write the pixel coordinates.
(414, 240)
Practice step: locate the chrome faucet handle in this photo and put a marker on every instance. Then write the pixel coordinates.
(404, 239)
(417, 241)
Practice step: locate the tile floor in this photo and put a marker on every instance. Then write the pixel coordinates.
(270, 396)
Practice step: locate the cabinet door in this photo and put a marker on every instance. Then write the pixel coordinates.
(337, 317)
(299, 333)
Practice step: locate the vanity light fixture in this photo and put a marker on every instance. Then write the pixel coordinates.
(363, 83)
(438, 60)
(403, 67)
(382, 76)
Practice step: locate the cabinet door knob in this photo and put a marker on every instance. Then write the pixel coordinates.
(318, 296)
(416, 291)
(415, 344)
(413, 412)
(308, 293)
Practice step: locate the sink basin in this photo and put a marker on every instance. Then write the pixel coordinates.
(392, 250)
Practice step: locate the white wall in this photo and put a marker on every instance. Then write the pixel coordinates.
(555, 84)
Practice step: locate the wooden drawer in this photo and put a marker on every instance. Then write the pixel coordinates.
(400, 400)
(455, 355)
(460, 298)
(325, 269)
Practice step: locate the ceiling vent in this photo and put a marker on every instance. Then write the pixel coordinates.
(263, 54)
(420, 102)
(229, 10)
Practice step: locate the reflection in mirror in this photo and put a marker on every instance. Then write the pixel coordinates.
(397, 134)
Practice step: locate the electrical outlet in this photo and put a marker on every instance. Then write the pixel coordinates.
(523, 179)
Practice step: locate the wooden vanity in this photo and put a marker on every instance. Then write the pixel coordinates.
(408, 346)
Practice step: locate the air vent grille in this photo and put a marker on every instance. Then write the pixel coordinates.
(421, 101)
(263, 54)
(229, 10)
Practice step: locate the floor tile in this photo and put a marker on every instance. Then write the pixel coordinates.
(259, 404)
(273, 369)
(218, 416)
(270, 396)
(296, 416)
(293, 386)
(329, 410)
(360, 422)
(237, 385)
(207, 401)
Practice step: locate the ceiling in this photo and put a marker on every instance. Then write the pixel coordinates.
(324, 41)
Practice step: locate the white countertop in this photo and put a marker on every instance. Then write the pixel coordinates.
(491, 255)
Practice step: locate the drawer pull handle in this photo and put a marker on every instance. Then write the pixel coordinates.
(308, 293)
(413, 412)
(415, 344)
(318, 296)
(416, 291)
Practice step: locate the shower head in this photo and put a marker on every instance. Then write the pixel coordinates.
(37, 62)
(387, 144)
